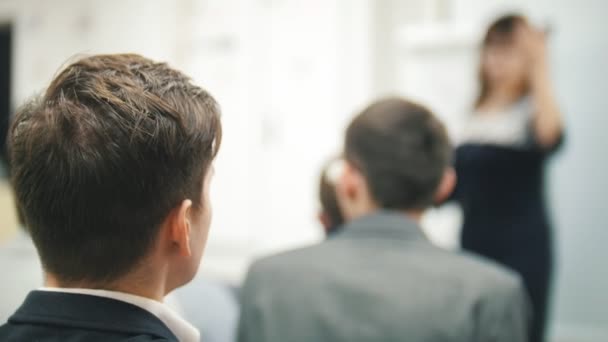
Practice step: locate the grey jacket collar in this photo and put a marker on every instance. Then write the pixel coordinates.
(383, 224)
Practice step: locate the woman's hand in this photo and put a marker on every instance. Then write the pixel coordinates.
(547, 120)
(534, 42)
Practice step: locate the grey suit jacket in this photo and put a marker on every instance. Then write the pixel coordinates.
(380, 279)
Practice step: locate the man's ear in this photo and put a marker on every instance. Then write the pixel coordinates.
(179, 227)
(349, 190)
(325, 221)
(348, 181)
(446, 186)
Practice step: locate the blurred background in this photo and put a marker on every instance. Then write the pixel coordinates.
(290, 74)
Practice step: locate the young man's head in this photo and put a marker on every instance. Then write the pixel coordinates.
(397, 156)
(111, 169)
(330, 216)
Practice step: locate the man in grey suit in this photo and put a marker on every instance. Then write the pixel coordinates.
(379, 278)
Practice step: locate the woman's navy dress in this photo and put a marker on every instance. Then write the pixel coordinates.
(500, 188)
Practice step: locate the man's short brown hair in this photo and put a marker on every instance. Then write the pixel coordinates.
(402, 150)
(100, 159)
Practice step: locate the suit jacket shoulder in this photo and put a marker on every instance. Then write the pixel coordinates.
(481, 275)
(53, 316)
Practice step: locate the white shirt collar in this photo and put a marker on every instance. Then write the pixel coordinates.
(184, 331)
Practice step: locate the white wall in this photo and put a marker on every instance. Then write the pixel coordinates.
(47, 34)
(578, 182)
(288, 75)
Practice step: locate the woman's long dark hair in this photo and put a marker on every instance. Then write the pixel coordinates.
(501, 32)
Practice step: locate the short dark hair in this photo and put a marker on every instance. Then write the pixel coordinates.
(402, 151)
(101, 158)
(328, 197)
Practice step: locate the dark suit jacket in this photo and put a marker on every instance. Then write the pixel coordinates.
(54, 316)
(380, 280)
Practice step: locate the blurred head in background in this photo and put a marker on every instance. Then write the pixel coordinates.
(397, 157)
(331, 217)
(111, 171)
(505, 59)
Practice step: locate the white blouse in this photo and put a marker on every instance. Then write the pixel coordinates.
(510, 127)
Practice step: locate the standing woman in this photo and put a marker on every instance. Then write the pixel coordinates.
(500, 161)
